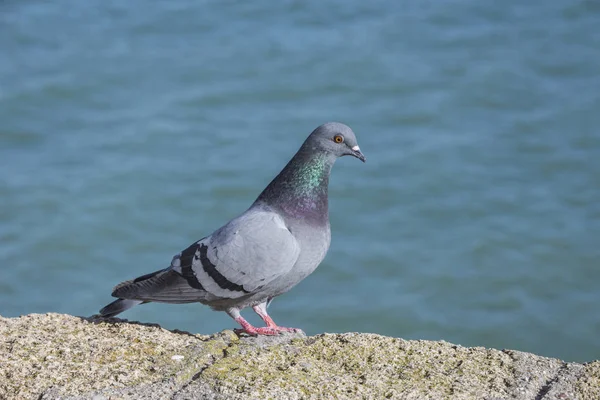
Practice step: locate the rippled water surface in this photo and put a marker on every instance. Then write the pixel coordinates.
(130, 129)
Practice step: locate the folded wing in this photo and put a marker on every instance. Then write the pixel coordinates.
(241, 257)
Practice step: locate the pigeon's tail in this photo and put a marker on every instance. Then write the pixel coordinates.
(165, 286)
(118, 306)
(126, 300)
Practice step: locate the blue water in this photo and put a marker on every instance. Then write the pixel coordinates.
(128, 130)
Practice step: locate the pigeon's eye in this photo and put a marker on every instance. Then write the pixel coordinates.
(338, 139)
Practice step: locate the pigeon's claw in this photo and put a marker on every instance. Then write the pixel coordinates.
(271, 329)
(265, 330)
(261, 310)
(254, 331)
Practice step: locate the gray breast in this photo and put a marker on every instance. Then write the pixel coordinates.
(314, 244)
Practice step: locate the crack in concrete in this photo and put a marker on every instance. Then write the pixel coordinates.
(526, 384)
(564, 384)
(549, 382)
(213, 360)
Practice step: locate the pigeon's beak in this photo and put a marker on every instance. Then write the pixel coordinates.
(357, 153)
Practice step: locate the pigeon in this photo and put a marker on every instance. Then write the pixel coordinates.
(261, 254)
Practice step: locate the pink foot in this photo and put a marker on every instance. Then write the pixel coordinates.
(261, 310)
(254, 331)
(271, 329)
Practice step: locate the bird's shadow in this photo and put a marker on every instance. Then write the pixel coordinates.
(260, 340)
(97, 319)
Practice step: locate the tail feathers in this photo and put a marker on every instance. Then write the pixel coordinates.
(165, 286)
(118, 306)
(133, 288)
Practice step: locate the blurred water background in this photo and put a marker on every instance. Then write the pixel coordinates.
(128, 130)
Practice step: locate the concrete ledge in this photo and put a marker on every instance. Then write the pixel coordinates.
(54, 356)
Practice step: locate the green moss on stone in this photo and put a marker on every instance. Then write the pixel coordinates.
(359, 365)
(73, 356)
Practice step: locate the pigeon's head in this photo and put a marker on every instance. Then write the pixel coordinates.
(336, 138)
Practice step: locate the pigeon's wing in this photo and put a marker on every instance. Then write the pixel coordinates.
(241, 257)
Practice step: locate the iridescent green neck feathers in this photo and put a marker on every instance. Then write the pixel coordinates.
(300, 189)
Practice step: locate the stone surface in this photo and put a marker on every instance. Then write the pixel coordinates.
(56, 356)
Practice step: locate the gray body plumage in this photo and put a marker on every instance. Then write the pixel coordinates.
(262, 253)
